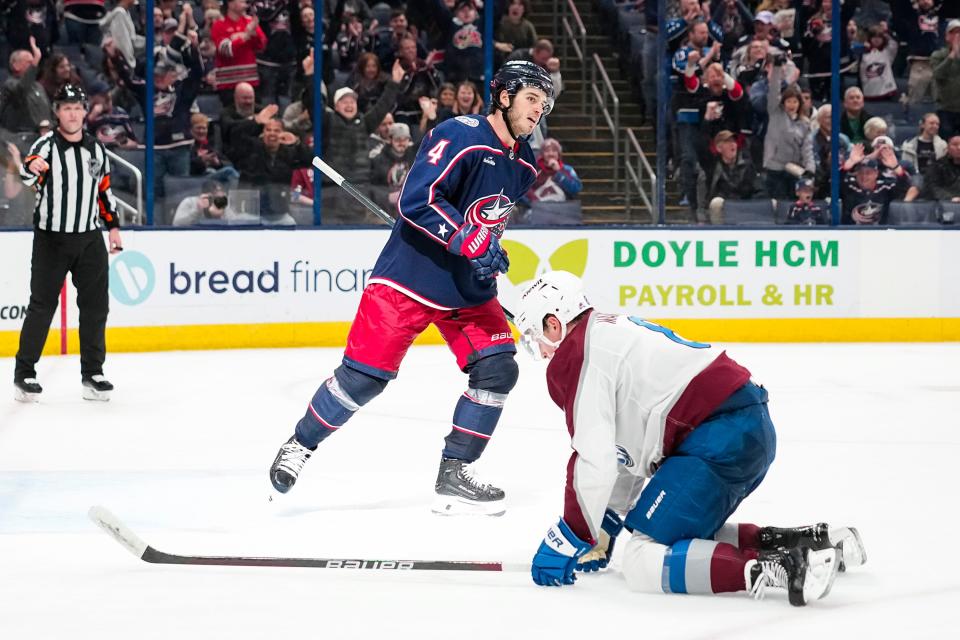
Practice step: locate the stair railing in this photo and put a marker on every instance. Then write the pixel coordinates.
(136, 215)
(575, 34)
(635, 175)
(606, 101)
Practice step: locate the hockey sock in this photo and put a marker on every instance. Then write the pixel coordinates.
(474, 420)
(740, 535)
(328, 410)
(687, 566)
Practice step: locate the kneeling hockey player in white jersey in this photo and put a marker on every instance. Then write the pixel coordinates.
(642, 403)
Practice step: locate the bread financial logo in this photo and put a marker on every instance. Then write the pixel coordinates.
(526, 265)
(132, 278)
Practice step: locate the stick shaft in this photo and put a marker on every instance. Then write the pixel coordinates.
(347, 186)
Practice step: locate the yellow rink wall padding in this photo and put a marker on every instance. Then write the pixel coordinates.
(334, 334)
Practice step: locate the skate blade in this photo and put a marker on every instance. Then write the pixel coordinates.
(847, 540)
(822, 568)
(454, 506)
(22, 396)
(89, 393)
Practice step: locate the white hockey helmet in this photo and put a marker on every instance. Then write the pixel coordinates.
(556, 293)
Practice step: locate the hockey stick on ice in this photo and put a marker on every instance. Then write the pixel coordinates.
(374, 208)
(125, 536)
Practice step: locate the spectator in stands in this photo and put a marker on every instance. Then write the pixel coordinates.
(866, 192)
(380, 137)
(463, 34)
(751, 66)
(922, 34)
(23, 100)
(179, 40)
(277, 61)
(26, 19)
(391, 166)
(823, 148)
(388, 41)
(420, 79)
(296, 118)
(515, 31)
(854, 115)
(942, 178)
(468, 101)
(205, 159)
(697, 43)
(212, 206)
(722, 107)
(556, 180)
(238, 38)
(763, 29)
(816, 32)
(82, 21)
(876, 65)
(728, 175)
(541, 54)
(110, 124)
(804, 211)
(172, 100)
(734, 18)
(945, 63)
(927, 147)
(787, 147)
(691, 13)
(243, 108)
(351, 42)
(368, 81)
(875, 126)
(346, 146)
(446, 95)
(272, 156)
(57, 71)
(118, 25)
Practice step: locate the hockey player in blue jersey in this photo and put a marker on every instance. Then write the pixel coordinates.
(439, 266)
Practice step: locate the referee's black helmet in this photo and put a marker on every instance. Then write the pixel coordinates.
(70, 93)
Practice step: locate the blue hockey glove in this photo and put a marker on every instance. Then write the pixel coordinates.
(554, 562)
(599, 557)
(482, 248)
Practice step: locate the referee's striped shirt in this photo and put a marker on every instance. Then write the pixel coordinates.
(74, 194)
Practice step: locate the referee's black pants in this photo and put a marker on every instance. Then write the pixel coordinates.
(84, 256)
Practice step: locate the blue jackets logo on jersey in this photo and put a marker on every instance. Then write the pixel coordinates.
(489, 211)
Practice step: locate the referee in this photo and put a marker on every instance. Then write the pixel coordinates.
(69, 170)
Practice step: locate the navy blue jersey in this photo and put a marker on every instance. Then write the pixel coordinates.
(463, 173)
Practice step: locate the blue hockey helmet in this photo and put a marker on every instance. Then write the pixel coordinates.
(517, 74)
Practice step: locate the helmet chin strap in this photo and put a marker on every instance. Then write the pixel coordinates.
(506, 121)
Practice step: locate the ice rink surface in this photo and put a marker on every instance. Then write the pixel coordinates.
(868, 436)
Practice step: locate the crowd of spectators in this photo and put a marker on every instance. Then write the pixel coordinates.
(759, 72)
(233, 95)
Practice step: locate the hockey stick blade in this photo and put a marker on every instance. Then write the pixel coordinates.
(126, 537)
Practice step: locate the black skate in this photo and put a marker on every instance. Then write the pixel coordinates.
(807, 574)
(460, 493)
(27, 390)
(287, 465)
(96, 387)
(818, 536)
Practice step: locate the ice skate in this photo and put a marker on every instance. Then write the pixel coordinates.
(818, 536)
(807, 574)
(460, 493)
(27, 390)
(97, 388)
(287, 465)
(850, 547)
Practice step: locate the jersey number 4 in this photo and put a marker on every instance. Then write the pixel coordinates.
(668, 332)
(434, 155)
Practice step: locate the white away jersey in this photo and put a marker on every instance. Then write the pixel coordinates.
(631, 391)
